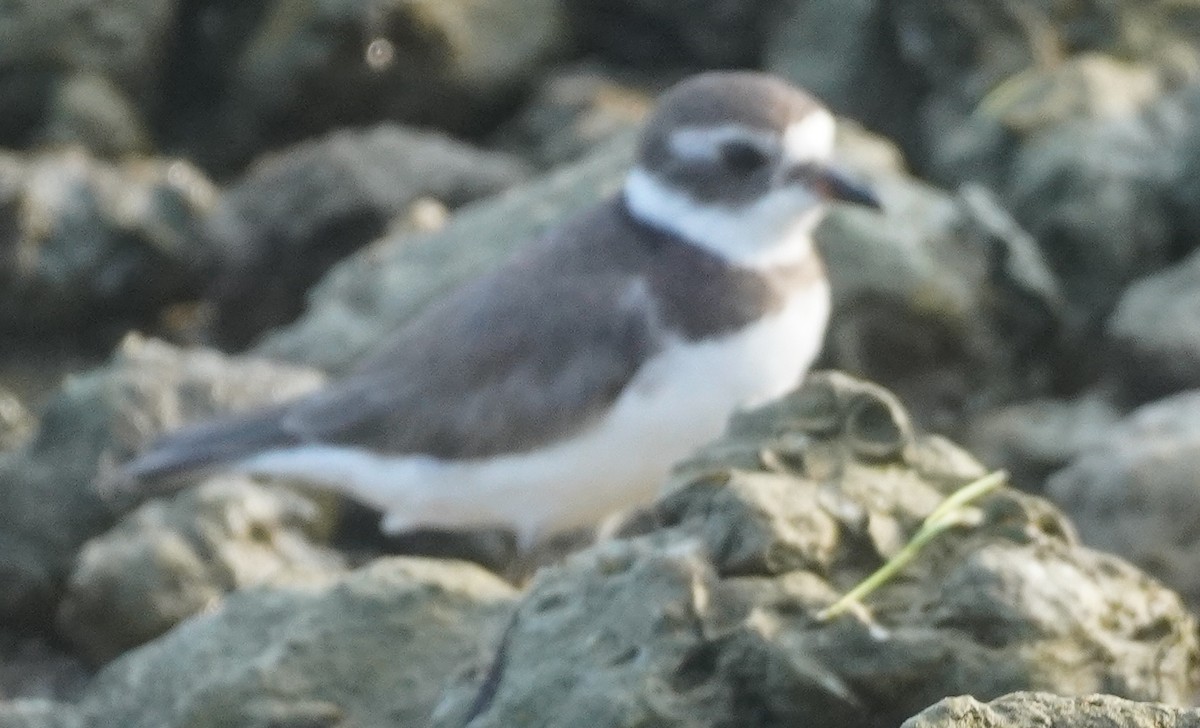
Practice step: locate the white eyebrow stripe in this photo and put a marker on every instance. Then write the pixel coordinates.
(704, 142)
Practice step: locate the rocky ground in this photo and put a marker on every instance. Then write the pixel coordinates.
(208, 205)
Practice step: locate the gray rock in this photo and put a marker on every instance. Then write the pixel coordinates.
(371, 648)
(31, 669)
(907, 282)
(34, 713)
(311, 67)
(944, 298)
(173, 558)
(33, 367)
(969, 49)
(706, 33)
(48, 506)
(1134, 491)
(919, 70)
(966, 55)
(87, 109)
(846, 53)
(16, 422)
(1101, 219)
(1184, 105)
(297, 212)
(1087, 89)
(710, 617)
(1019, 97)
(85, 243)
(375, 291)
(124, 42)
(1019, 710)
(1035, 438)
(1155, 333)
(578, 108)
(209, 38)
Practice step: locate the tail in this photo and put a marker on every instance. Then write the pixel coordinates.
(198, 447)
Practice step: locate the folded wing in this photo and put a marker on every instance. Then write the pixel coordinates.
(497, 368)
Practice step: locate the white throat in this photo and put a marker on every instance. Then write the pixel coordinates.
(776, 230)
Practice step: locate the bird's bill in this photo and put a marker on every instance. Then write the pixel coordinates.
(837, 186)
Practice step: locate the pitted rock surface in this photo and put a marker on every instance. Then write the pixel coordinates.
(709, 616)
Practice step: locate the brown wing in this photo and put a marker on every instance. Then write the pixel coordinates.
(515, 359)
(468, 379)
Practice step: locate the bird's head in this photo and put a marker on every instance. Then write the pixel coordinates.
(739, 163)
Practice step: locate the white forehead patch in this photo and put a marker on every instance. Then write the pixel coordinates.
(810, 139)
(705, 142)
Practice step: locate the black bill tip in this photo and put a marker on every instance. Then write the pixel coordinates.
(837, 186)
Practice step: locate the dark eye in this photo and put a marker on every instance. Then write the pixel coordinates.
(743, 157)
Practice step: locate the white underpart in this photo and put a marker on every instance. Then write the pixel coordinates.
(774, 230)
(679, 401)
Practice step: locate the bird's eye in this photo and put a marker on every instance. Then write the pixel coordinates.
(743, 157)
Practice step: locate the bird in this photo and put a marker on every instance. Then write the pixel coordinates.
(559, 389)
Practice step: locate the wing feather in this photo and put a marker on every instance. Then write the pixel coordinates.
(534, 369)
(521, 357)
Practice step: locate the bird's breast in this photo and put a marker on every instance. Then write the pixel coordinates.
(704, 381)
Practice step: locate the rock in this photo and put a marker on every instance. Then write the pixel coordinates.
(578, 109)
(1018, 97)
(705, 33)
(1089, 89)
(86, 244)
(943, 298)
(1033, 439)
(369, 648)
(1134, 491)
(847, 54)
(209, 38)
(39, 714)
(298, 212)
(1102, 220)
(373, 292)
(965, 55)
(122, 42)
(310, 67)
(1052, 711)
(48, 505)
(88, 110)
(173, 558)
(16, 422)
(861, 151)
(1155, 336)
(919, 70)
(1185, 195)
(909, 284)
(31, 669)
(33, 366)
(710, 616)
